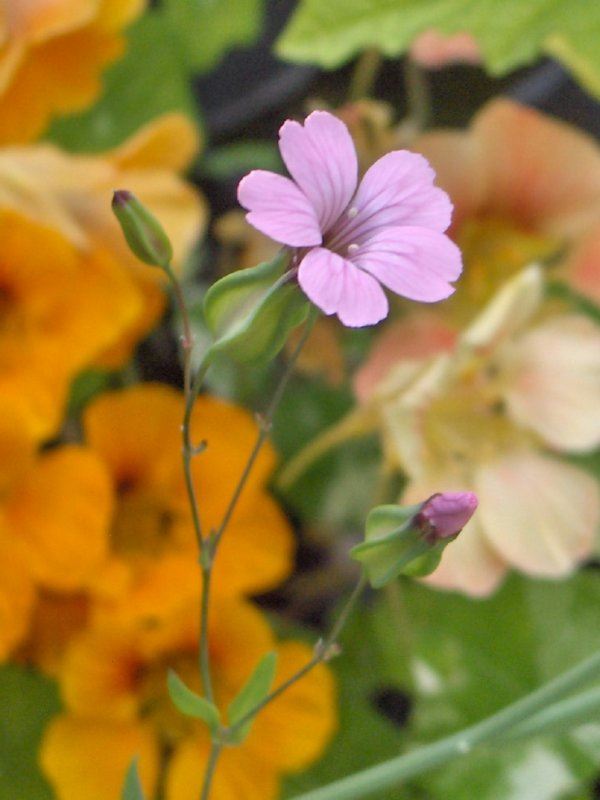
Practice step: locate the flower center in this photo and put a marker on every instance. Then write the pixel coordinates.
(493, 251)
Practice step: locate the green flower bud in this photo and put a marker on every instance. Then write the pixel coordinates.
(144, 233)
(410, 540)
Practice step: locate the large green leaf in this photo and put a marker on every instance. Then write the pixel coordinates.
(207, 29)
(510, 32)
(460, 660)
(152, 79)
(28, 701)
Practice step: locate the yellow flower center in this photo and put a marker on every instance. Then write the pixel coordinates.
(143, 522)
(493, 251)
(467, 425)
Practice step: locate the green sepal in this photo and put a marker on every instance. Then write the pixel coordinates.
(191, 704)
(251, 694)
(132, 787)
(251, 312)
(395, 546)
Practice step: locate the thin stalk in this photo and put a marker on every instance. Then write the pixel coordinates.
(389, 774)
(211, 766)
(558, 717)
(418, 98)
(265, 424)
(364, 75)
(210, 546)
(324, 651)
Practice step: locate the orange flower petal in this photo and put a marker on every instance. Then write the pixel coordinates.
(239, 775)
(37, 20)
(167, 143)
(137, 433)
(89, 758)
(99, 674)
(17, 595)
(539, 513)
(256, 553)
(59, 516)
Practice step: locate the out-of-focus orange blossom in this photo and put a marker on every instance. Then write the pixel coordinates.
(52, 55)
(114, 677)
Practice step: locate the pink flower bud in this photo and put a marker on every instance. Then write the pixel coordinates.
(444, 515)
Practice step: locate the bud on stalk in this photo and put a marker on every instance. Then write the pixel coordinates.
(143, 232)
(410, 540)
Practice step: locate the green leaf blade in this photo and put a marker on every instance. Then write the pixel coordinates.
(252, 693)
(132, 788)
(510, 33)
(191, 704)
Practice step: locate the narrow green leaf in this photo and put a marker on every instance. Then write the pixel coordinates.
(191, 704)
(510, 33)
(254, 690)
(132, 788)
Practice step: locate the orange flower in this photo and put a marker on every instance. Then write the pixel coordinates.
(486, 415)
(136, 433)
(51, 58)
(71, 194)
(47, 501)
(59, 309)
(114, 678)
(525, 188)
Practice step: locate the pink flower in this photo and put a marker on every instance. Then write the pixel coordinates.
(389, 231)
(445, 514)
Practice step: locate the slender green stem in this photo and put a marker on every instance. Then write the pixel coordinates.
(204, 653)
(211, 766)
(364, 75)
(187, 340)
(266, 421)
(418, 97)
(324, 650)
(210, 546)
(389, 774)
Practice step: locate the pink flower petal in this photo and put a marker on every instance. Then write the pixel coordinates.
(539, 513)
(321, 158)
(279, 209)
(417, 263)
(336, 286)
(553, 382)
(398, 190)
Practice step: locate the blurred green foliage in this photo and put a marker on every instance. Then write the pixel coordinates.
(28, 700)
(459, 660)
(511, 33)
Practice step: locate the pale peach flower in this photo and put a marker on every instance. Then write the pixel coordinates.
(525, 187)
(491, 416)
